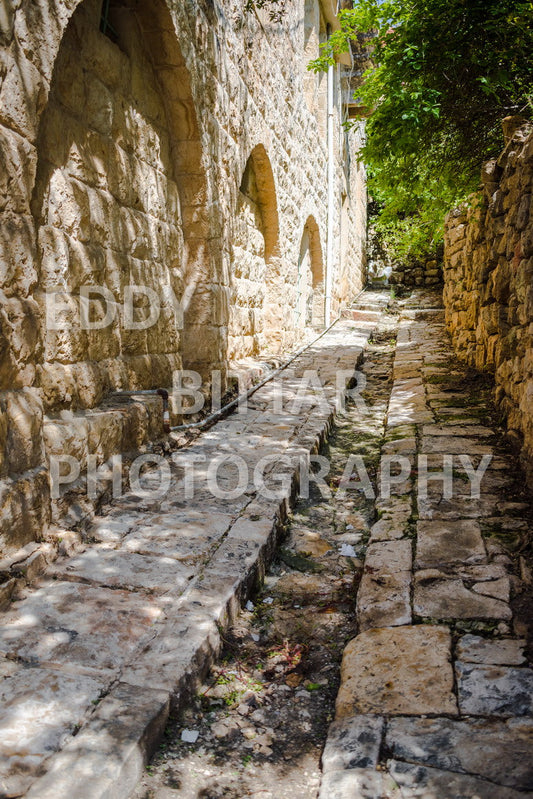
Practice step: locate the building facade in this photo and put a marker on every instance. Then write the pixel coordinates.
(177, 192)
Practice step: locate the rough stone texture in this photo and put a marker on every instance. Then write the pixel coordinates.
(422, 272)
(384, 600)
(504, 652)
(442, 543)
(396, 671)
(470, 747)
(356, 783)
(488, 293)
(494, 690)
(460, 577)
(126, 570)
(384, 268)
(40, 710)
(384, 595)
(65, 622)
(417, 782)
(438, 597)
(166, 155)
(388, 529)
(353, 743)
(108, 756)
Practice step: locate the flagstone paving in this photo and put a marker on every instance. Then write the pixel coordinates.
(441, 669)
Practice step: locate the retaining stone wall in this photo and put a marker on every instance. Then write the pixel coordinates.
(488, 290)
(426, 272)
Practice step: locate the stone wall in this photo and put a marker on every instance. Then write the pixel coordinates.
(488, 275)
(171, 146)
(421, 272)
(383, 268)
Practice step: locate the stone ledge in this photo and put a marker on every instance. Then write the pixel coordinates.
(106, 759)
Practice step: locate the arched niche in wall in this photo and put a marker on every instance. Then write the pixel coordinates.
(255, 269)
(120, 202)
(309, 304)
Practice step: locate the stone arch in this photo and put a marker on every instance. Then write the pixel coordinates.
(309, 304)
(258, 184)
(255, 271)
(120, 199)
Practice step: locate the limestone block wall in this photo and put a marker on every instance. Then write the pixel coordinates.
(162, 166)
(488, 288)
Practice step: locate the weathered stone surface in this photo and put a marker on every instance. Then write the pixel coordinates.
(388, 529)
(394, 507)
(499, 589)
(352, 743)
(384, 599)
(419, 782)
(503, 651)
(400, 446)
(108, 756)
(439, 597)
(68, 622)
(457, 508)
(95, 193)
(389, 556)
(494, 750)
(494, 690)
(178, 657)
(40, 709)
(111, 529)
(6, 592)
(482, 572)
(441, 543)
(357, 783)
(309, 543)
(128, 570)
(396, 671)
(454, 445)
(461, 430)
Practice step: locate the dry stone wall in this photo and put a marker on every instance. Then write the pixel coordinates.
(488, 290)
(421, 272)
(175, 147)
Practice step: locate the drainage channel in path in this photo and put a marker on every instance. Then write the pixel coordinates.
(257, 726)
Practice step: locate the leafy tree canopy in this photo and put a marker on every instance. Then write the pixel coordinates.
(445, 73)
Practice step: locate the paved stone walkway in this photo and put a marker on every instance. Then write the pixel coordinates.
(436, 692)
(95, 651)
(436, 696)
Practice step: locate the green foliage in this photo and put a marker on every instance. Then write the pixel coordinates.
(445, 74)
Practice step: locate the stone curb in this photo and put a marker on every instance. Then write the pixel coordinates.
(106, 758)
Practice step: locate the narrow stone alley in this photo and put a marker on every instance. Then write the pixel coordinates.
(435, 689)
(368, 638)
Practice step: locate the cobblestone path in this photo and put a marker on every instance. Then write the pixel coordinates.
(428, 586)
